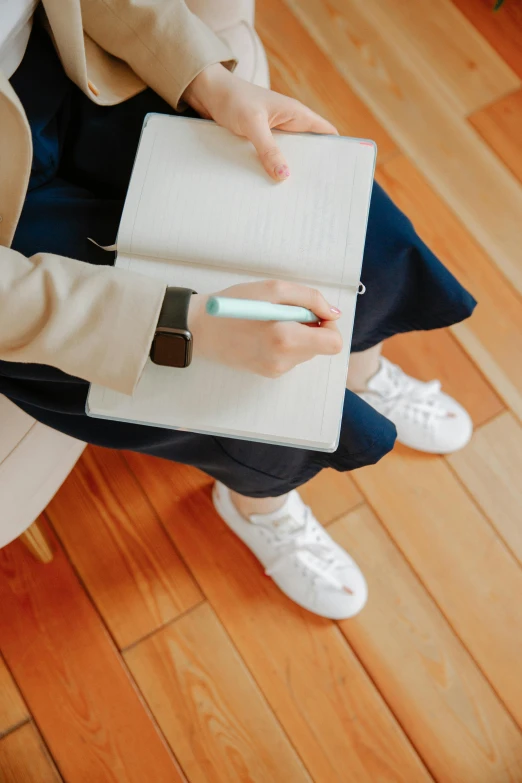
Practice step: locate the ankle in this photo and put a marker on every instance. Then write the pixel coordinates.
(248, 506)
(363, 366)
(358, 382)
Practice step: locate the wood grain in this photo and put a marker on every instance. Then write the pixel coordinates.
(388, 74)
(444, 703)
(437, 354)
(12, 708)
(122, 553)
(492, 336)
(24, 759)
(459, 558)
(446, 51)
(330, 494)
(300, 69)
(208, 707)
(503, 29)
(491, 467)
(500, 125)
(35, 541)
(311, 679)
(72, 678)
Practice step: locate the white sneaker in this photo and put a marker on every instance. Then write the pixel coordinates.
(299, 555)
(426, 419)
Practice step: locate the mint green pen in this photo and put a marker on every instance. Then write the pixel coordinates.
(256, 310)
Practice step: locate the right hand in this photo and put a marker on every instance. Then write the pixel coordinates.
(268, 348)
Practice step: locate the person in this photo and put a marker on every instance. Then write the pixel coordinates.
(68, 317)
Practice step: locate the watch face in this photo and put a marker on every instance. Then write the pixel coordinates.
(170, 350)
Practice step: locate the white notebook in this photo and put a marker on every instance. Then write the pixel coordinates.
(200, 212)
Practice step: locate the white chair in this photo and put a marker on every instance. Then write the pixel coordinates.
(34, 459)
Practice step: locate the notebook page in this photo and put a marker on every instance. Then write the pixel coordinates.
(301, 408)
(199, 194)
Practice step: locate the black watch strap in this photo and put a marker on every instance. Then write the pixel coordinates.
(174, 310)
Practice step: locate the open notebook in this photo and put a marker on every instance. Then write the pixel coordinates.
(200, 212)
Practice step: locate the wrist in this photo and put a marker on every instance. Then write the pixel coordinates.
(196, 323)
(205, 87)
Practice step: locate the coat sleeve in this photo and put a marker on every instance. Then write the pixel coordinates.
(93, 322)
(165, 44)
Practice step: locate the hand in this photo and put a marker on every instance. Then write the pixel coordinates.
(251, 111)
(268, 348)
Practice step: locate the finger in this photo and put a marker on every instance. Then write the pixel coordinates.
(324, 341)
(306, 120)
(269, 153)
(281, 292)
(327, 341)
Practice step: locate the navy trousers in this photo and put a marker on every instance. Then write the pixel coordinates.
(83, 156)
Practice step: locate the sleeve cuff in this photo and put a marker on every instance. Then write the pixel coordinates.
(124, 343)
(164, 43)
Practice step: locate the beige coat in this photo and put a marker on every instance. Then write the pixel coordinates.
(93, 322)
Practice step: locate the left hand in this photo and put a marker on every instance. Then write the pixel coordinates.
(251, 111)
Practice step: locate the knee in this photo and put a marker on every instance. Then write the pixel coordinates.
(383, 444)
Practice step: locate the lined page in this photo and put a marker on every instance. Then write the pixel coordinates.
(199, 194)
(201, 213)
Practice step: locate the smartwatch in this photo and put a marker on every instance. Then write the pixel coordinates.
(172, 343)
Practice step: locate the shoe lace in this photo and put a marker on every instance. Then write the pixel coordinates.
(419, 401)
(322, 561)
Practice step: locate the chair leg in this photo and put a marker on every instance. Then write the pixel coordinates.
(35, 541)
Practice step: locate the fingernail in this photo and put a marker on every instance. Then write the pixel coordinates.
(335, 310)
(282, 172)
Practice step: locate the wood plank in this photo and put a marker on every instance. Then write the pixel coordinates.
(452, 49)
(24, 759)
(12, 708)
(34, 540)
(300, 69)
(330, 494)
(321, 695)
(492, 335)
(490, 467)
(454, 52)
(122, 553)
(437, 354)
(500, 125)
(447, 51)
(72, 677)
(503, 29)
(390, 76)
(210, 710)
(442, 700)
(459, 558)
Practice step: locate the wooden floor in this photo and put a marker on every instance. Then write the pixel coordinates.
(153, 648)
